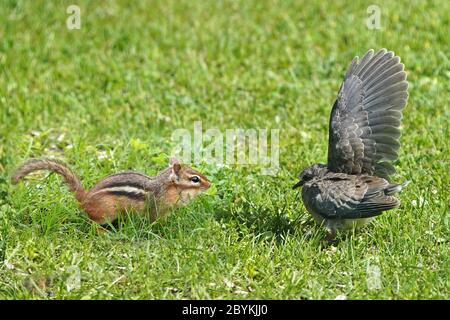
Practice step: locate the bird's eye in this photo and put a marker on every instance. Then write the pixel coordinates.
(195, 179)
(306, 177)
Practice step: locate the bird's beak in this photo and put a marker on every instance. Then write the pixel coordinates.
(298, 184)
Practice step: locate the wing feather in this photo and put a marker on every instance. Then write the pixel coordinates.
(366, 116)
(352, 197)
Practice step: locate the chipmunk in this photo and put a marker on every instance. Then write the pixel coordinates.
(126, 191)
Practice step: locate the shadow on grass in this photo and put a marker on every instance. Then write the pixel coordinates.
(264, 220)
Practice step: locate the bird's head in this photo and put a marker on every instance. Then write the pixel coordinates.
(308, 174)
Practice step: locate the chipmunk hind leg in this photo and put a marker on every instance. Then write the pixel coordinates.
(100, 207)
(105, 205)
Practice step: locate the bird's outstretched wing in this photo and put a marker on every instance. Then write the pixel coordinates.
(365, 120)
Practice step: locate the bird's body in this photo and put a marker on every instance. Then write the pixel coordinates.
(342, 201)
(353, 187)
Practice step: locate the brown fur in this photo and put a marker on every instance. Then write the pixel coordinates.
(102, 207)
(57, 166)
(128, 191)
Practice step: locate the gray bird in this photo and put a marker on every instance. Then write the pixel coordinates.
(364, 131)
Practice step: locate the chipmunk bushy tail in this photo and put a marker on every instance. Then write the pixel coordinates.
(59, 167)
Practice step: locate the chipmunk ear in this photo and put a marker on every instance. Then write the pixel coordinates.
(176, 167)
(173, 161)
(175, 164)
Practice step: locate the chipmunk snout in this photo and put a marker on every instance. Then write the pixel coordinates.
(206, 184)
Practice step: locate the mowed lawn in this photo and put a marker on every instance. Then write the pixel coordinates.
(107, 97)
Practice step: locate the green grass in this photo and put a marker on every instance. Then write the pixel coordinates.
(107, 97)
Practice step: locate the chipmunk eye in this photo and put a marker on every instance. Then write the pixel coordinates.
(195, 179)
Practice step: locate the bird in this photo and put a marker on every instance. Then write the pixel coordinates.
(354, 186)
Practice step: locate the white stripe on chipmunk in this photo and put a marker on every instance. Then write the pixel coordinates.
(125, 189)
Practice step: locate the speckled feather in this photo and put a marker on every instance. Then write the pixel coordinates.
(364, 134)
(365, 120)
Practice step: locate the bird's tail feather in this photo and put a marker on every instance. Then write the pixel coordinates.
(395, 187)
